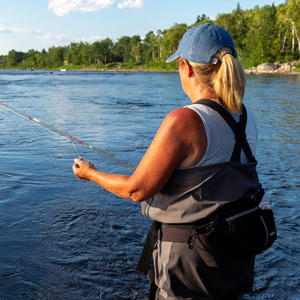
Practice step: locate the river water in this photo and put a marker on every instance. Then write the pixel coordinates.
(62, 238)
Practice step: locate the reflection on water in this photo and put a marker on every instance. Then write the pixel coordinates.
(62, 238)
(275, 102)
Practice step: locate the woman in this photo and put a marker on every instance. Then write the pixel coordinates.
(189, 172)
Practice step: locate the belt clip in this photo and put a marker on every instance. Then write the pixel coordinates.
(193, 237)
(192, 241)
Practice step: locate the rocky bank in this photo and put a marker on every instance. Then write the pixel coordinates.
(273, 68)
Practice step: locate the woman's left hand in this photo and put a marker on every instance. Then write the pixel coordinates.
(83, 169)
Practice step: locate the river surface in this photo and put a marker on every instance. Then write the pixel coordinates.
(66, 239)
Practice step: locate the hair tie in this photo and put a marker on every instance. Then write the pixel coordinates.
(218, 61)
(221, 58)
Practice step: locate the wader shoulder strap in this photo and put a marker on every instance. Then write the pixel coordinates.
(238, 128)
(151, 239)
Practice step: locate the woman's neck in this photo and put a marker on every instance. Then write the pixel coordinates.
(202, 93)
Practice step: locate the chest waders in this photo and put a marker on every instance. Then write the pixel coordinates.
(238, 229)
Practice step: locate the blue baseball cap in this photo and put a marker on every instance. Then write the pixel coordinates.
(200, 44)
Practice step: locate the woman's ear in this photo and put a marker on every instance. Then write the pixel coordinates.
(187, 68)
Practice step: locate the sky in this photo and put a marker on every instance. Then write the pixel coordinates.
(41, 24)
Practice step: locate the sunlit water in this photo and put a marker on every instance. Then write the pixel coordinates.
(62, 238)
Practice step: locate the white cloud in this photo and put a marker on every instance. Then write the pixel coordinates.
(63, 7)
(131, 4)
(17, 30)
(62, 40)
(90, 39)
(54, 40)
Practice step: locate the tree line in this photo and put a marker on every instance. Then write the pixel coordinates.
(263, 34)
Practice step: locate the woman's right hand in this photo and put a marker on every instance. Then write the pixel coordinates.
(83, 169)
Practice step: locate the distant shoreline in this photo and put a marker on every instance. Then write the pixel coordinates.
(94, 70)
(253, 71)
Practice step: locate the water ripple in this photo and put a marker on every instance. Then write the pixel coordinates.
(65, 239)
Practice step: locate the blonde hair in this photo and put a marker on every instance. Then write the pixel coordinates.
(226, 79)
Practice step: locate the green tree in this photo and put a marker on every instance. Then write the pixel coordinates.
(150, 47)
(55, 56)
(73, 54)
(293, 17)
(160, 47)
(226, 21)
(29, 60)
(102, 51)
(260, 41)
(3, 61)
(122, 49)
(42, 59)
(14, 58)
(136, 49)
(202, 20)
(172, 37)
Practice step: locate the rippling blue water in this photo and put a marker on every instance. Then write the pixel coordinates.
(61, 238)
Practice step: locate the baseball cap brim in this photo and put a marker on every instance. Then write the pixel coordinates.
(174, 56)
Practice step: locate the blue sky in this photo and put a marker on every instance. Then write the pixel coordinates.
(41, 24)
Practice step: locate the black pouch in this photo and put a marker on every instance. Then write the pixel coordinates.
(212, 243)
(212, 247)
(252, 231)
(243, 230)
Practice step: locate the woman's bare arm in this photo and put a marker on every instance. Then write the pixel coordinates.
(179, 142)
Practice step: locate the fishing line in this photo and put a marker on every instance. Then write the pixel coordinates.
(75, 148)
(61, 134)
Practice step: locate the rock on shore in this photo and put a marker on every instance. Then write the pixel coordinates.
(273, 68)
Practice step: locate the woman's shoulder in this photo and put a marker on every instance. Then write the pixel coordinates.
(183, 121)
(183, 115)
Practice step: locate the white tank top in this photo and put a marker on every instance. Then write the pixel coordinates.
(192, 194)
(220, 138)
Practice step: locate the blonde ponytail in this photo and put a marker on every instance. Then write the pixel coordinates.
(226, 79)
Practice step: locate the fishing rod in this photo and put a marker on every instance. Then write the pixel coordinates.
(62, 134)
